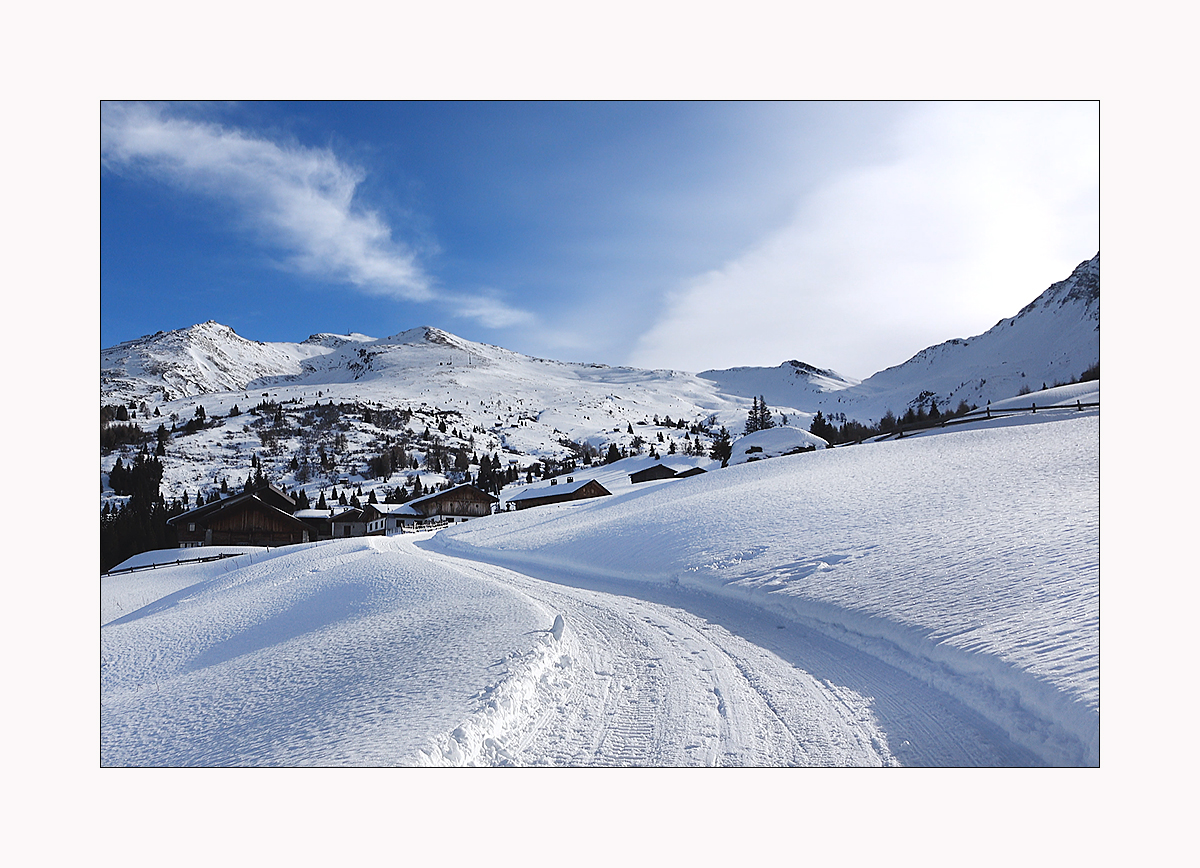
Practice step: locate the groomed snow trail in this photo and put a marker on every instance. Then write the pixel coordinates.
(658, 676)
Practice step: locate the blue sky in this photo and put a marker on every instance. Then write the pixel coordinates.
(686, 235)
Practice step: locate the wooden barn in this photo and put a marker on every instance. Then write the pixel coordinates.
(262, 517)
(558, 493)
(662, 471)
(658, 471)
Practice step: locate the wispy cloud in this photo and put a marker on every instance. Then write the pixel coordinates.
(489, 310)
(296, 199)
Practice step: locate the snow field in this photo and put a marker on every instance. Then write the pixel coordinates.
(969, 559)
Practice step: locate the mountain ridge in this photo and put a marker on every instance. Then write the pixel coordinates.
(525, 409)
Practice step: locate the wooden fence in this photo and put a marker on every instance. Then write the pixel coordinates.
(175, 563)
(987, 412)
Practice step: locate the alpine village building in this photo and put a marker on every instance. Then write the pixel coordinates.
(558, 493)
(267, 516)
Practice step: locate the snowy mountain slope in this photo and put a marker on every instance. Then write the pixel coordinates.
(791, 385)
(208, 357)
(931, 601)
(1055, 338)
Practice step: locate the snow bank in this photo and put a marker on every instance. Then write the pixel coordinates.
(969, 558)
(351, 652)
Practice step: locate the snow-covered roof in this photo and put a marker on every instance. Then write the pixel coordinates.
(394, 508)
(448, 491)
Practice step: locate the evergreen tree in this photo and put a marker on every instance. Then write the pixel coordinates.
(613, 454)
(722, 447)
(764, 414)
(321, 504)
(141, 525)
(823, 428)
(759, 416)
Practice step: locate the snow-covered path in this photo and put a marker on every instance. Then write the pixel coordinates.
(657, 676)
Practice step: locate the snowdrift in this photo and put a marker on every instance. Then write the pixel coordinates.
(338, 653)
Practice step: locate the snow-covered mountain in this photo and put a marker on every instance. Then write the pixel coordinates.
(1053, 339)
(523, 409)
(423, 390)
(793, 384)
(205, 358)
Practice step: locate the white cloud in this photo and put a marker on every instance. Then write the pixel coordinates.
(981, 208)
(490, 311)
(295, 198)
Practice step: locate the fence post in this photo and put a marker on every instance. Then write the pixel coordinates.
(1033, 405)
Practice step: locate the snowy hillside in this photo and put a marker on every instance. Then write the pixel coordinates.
(928, 601)
(1053, 339)
(350, 399)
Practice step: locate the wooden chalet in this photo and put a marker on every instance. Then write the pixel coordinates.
(262, 517)
(455, 504)
(458, 504)
(559, 493)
